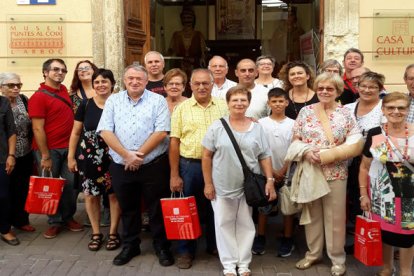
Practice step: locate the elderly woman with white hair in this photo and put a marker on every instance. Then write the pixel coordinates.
(329, 135)
(19, 178)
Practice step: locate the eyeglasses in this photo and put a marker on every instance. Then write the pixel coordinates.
(390, 108)
(370, 88)
(204, 84)
(329, 89)
(13, 85)
(86, 68)
(265, 64)
(57, 70)
(171, 84)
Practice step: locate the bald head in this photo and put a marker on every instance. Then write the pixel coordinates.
(246, 72)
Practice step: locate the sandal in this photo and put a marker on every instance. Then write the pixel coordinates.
(95, 242)
(114, 242)
(305, 263)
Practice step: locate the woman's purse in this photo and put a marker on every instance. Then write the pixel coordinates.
(254, 184)
(287, 206)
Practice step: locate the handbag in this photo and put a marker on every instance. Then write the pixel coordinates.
(44, 194)
(181, 219)
(287, 206)
(368, 243)
(254, 184)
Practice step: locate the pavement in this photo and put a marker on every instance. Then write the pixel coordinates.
(68, 254)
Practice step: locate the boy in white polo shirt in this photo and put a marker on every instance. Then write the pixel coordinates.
(278, 130)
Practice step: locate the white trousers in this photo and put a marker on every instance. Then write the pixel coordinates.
(235, 233)
(328, 215)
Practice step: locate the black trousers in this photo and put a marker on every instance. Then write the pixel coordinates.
(151, 183)
(4, 200)
(19, 187)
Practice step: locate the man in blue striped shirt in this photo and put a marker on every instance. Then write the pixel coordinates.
(134, 124)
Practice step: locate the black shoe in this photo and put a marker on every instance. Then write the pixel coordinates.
(126, 255)
(165, 258)
(14, 241)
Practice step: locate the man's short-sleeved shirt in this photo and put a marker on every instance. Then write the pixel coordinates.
(156, 87)
(220, 92)
(58, 116)
(189, 123)
(134, 122)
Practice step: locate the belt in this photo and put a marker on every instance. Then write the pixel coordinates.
(155, 160)
(192, 160)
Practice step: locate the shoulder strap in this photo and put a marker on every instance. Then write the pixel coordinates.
(398, 152)
(323, 118)
(55, 96)
(235, 145)
(83, 93)
(24, 100)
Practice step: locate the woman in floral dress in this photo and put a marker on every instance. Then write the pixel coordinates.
(389, 195)
(324, 127)
(92, 160)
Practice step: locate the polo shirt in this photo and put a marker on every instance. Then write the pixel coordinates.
(190, 121)
(58, 116)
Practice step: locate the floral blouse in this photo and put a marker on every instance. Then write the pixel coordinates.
(309, 129)
(23, 127)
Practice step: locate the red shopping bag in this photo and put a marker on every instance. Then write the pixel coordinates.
(44, 194)
(368, 243)
(181, 218)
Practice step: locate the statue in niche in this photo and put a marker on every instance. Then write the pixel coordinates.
(188, 43)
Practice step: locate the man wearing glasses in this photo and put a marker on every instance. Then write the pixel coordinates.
(189, 123)
(50, 109)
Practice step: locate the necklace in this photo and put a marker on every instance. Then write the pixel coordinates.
(405, 153)
(293, 101)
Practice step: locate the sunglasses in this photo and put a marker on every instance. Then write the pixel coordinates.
(12, 85)
(57, 70)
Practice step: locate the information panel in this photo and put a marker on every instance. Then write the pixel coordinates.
(393, 34)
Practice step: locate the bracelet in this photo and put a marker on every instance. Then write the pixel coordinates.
(361, 197)
(45, 159)
(271, 179)
(362, 187)
(12, 155)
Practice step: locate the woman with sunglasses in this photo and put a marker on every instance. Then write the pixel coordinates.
(81, 88)
(19, 178)
(7, 163)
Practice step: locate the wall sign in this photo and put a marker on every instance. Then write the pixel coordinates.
(393, 35)
(34, 36)
(36, 2)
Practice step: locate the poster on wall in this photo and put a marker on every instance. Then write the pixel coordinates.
(235, 19)
(36, 2)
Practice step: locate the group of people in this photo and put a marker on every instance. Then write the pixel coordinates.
(325, 135)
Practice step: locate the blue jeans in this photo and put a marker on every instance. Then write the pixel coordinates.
(67, 204)
(192, 177)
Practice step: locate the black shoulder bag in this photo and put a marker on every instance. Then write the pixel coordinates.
(254, 184)
(56, 96)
